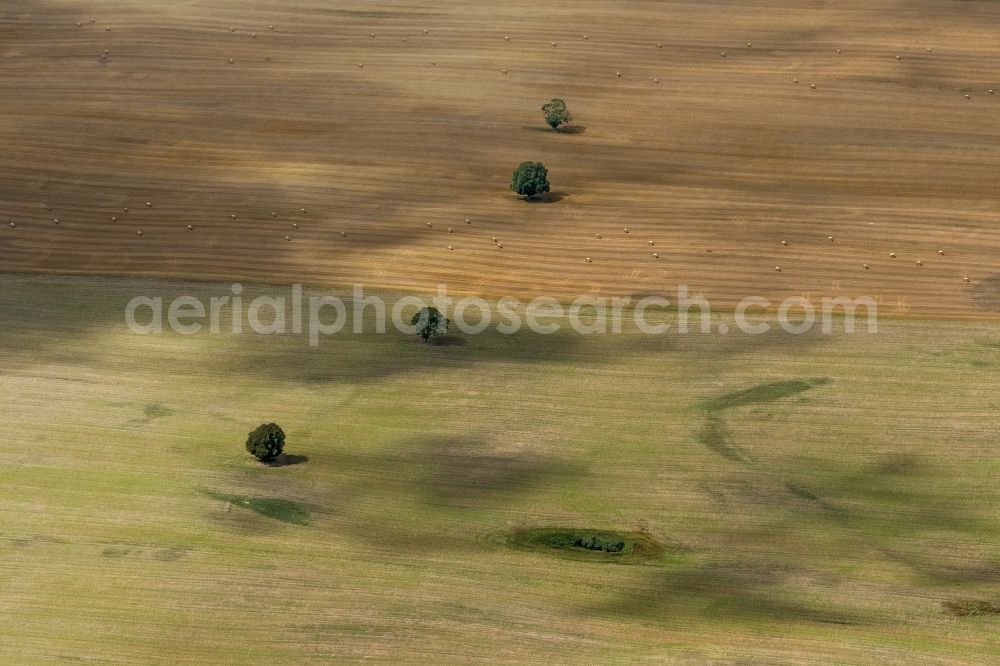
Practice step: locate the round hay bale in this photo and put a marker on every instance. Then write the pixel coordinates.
(892, 255)
(656, 80)
(138, 233)
(451, 247)
(919, 263)
(777, 268)
(56, 220)
(507, 38)
(965, 279)
(295, 225)
(114, 219)
(829, 238)
(302, 210)
(450, 230)
(941, 252)
(625, 229)
(598, 236)
(618, 74)
(343, 234)
(812, 86)
(288, 238)
(785, 243)
(13, 226)
(651, 243)
(232, 217)
(274, 215)
(659, 45)
(468, 221)
(589, 260)
(149, 204)
(125, 209)
(429, 225)
(499, 246)
(656, 255)
(866, 266)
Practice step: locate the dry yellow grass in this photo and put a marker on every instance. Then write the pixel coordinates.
(728, 154)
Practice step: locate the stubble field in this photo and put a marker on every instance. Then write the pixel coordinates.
(726, 154)
(819, 498)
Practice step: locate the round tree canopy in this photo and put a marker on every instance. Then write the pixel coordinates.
(530, 179)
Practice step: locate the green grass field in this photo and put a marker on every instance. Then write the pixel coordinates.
(818, 497)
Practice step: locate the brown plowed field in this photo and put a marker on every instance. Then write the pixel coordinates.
(726, 154)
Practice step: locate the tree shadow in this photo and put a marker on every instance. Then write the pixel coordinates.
(448, 341)
(547, 198)
(566, 129)
(287, 460)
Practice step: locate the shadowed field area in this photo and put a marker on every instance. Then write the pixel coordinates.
(852, 511)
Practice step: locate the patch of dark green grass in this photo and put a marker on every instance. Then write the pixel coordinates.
(115, 552)
(715, 436)
(270, 507)
(971, 607)
(586, 544)
(763, 393)
(157, 411)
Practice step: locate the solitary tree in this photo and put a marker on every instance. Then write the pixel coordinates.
(430, 323)
(530, 179)
(556, 113)
(266, 442)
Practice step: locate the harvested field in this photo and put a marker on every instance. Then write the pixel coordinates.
(728, 154)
